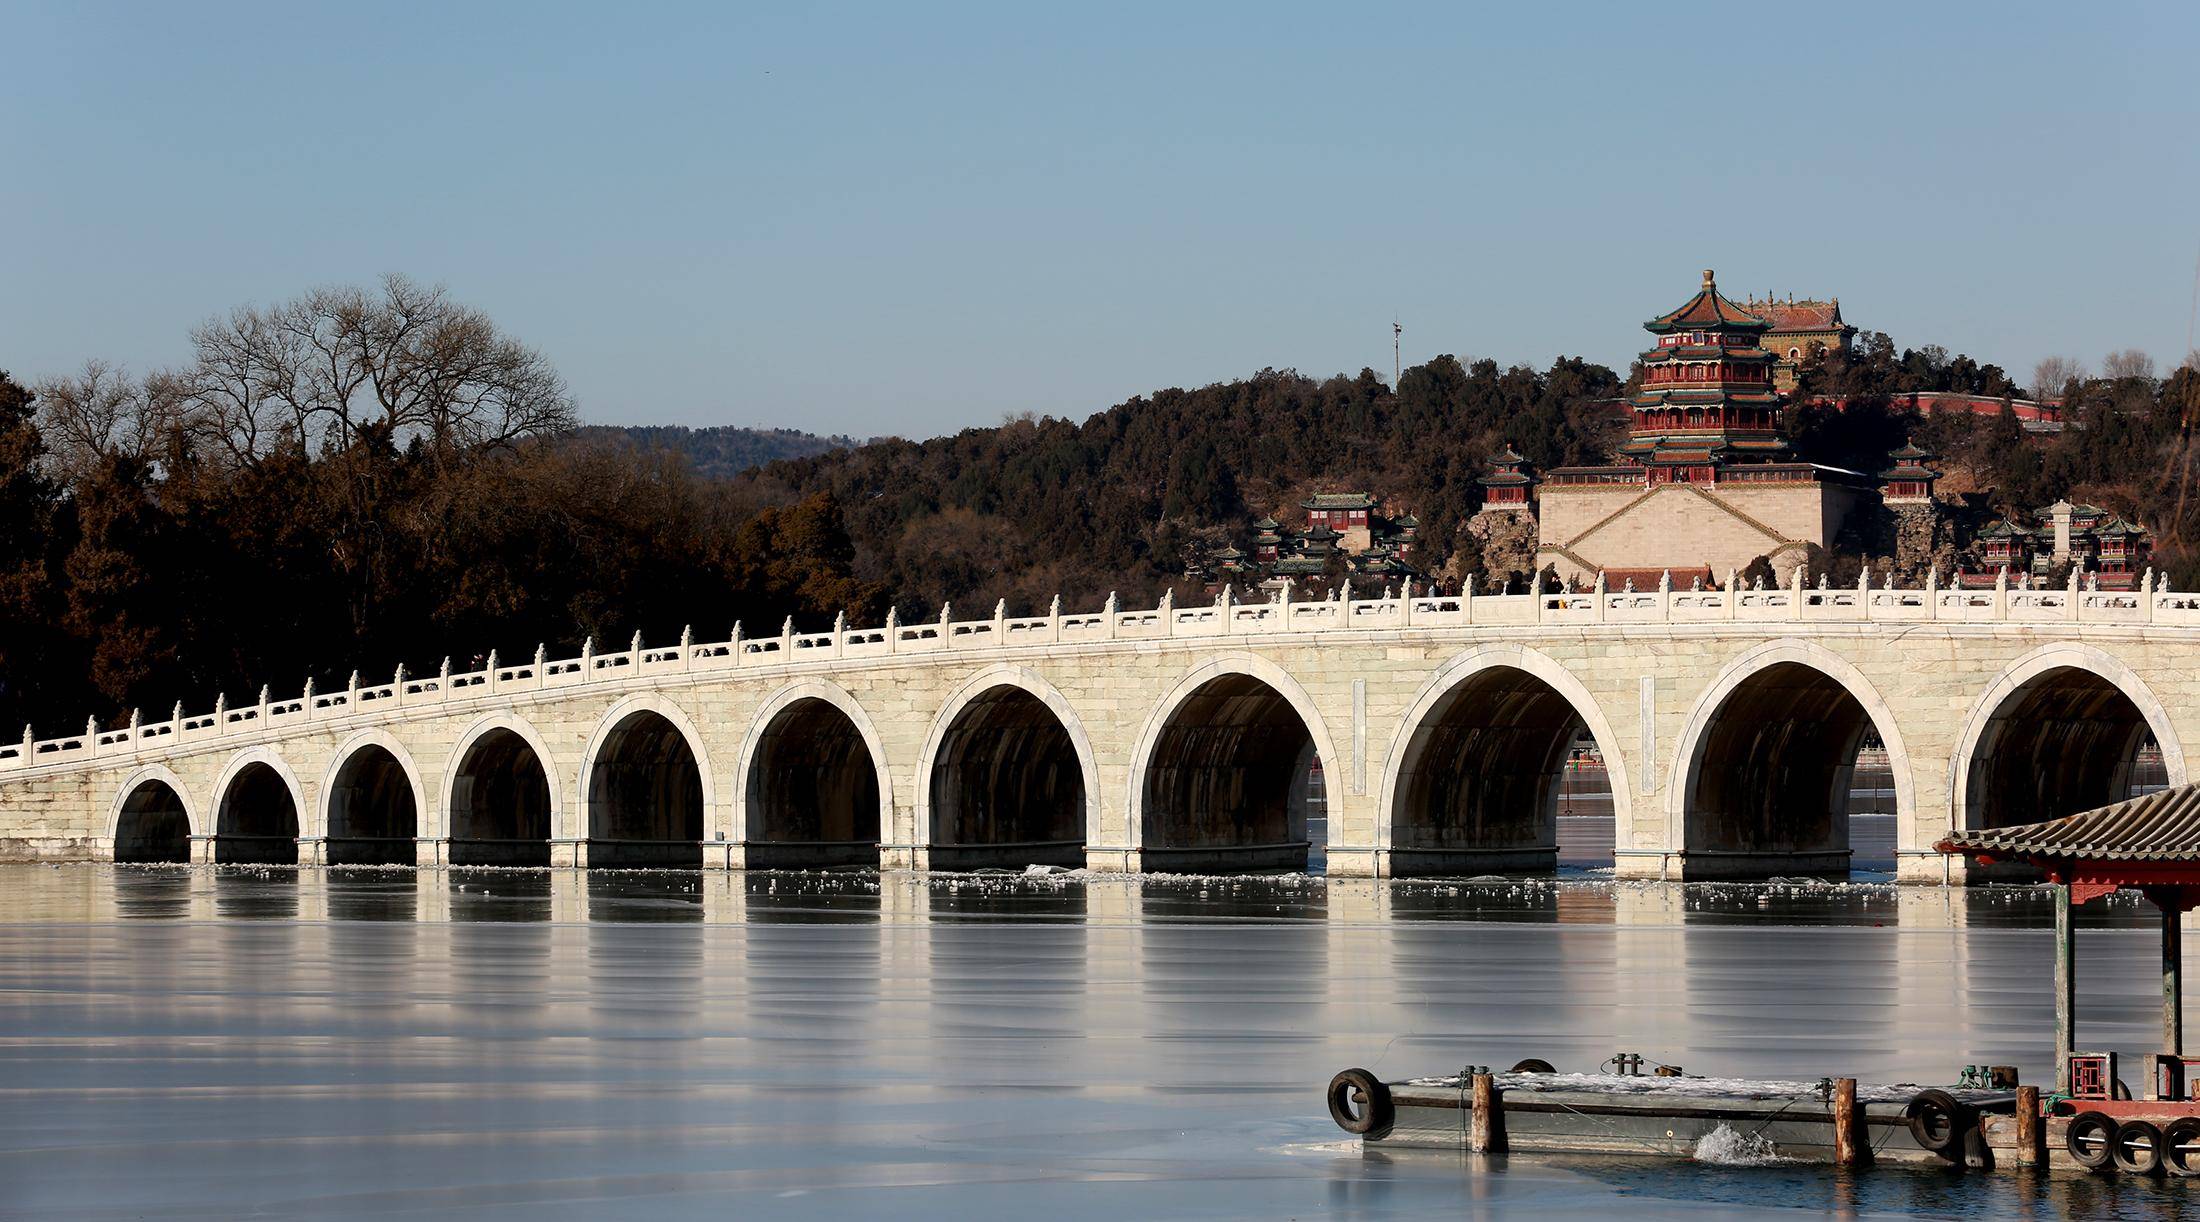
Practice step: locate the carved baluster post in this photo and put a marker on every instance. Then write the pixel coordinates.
(840, 632)
(1795, 596)
(1932, 590)
(91, 736)
(1000, 622)
(1598, 591)
(496, 682)
(2146, 594)
(221, 711)
(1223, 602)
(734, 643)
(1466, 599)
(946, 626)
(443, 679)
(1864, 593)
(2071, 596)
(262, 716)
(175, 715)
(786, 639)
(29, 744)
(1109, 610)
(306, 699)
(893, 628)
(687, 645)
(1168, 612)
(1054, 619)
(2001, 594)
(634, 650)
(133, 729)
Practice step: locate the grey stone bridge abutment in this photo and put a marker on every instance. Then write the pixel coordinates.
(1180, 738)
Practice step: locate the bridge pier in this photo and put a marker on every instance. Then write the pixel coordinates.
(1341, 862)
(1111, 861)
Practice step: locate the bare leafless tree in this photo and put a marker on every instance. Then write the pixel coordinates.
(402, 359)
(2053, 373)
(101, 413)
(2129, 363)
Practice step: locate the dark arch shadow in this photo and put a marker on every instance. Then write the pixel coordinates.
(1769, 791)
(1480, 778)
(645, 796)
(1007, 789)
(1226, 783)
(373, 816)
(153, 826)
(813, 793)
(2064, 741)
(256, 822)
(500, 803)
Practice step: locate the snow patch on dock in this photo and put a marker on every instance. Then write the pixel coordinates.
(1754, 1089)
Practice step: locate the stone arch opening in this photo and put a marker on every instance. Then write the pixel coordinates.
(813, 794)
(1227, 782)
(153, 825)
(373, 814)
(1769, 789)
(256, 822)
(1484, 774)
(500, 803)
(1007, 788)
(645, 796)
(2063, 741)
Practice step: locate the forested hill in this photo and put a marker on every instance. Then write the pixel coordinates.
(244, 520)
(718, 452)
(1038, 506)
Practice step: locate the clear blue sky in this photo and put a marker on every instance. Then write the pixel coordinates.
(913, 218)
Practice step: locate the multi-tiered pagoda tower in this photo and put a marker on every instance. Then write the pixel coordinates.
(1705, 483)
(1707, 397)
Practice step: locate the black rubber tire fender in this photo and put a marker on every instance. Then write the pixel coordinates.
(2138, 1147)
(1359, 1102)
(2177, 1136)
(1534, 1065)
(2091, 1140)
(1937, 1121)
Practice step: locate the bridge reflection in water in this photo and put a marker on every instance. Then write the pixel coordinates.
(312, 1042)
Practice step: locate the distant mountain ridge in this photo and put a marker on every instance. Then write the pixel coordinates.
(720, 451)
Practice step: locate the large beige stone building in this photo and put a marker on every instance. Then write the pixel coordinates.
(1705, 483)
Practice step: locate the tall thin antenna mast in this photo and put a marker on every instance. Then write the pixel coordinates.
(2193, 316)
(1397, 363)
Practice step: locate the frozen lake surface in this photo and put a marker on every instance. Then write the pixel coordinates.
(194, 1043)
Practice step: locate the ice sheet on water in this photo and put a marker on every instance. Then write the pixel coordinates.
(1724, 1147)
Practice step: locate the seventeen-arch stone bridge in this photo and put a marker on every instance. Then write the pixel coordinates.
(1181, 738)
